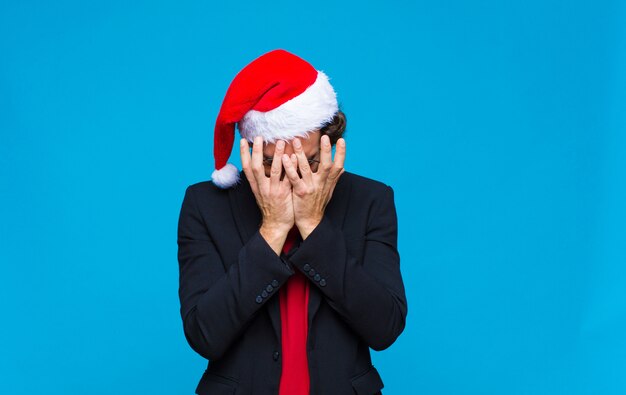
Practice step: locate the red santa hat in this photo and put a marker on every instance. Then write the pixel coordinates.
(278, 96)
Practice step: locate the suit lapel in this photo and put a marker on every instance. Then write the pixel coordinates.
(248, 219)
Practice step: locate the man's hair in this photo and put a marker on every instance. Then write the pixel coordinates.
(336, 128)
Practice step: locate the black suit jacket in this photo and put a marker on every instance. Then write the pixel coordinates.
(230, 276)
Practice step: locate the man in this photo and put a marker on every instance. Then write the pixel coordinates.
(289, 275)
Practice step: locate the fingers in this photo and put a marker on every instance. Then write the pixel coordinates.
(244, 149)
(340, 157)
(292, 173)
(303, 162)
(277, 166)
(326, 160)
(257, 159)
(294, 160)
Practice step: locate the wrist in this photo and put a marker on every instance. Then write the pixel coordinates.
(306, 227)
(277, 229)
(275, 236)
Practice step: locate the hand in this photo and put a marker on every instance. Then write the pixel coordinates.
(313, 191)
(273, 195)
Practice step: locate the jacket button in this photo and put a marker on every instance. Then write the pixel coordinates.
(264, 294)
(323, 282)
(259, 299)
(276, 355)
(311, 272)
(306, 267)
(274, 283)
(317, 277)
(269, 288)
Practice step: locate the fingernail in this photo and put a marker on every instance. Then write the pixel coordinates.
(242, 142)
(296, 143)
(280, 144)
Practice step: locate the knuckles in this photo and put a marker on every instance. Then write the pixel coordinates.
(304, 191)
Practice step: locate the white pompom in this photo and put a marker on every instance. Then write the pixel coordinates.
(226, 177)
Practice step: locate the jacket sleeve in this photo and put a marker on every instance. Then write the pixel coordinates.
(369, 293)
(217, 304)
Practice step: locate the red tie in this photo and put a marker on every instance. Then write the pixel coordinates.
(294, 302)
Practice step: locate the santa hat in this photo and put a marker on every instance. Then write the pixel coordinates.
(277, 96)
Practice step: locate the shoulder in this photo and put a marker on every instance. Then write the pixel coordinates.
(365, 186)
(206, 188)
(205, 194)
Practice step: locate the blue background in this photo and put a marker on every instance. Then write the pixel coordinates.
(500, 126)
